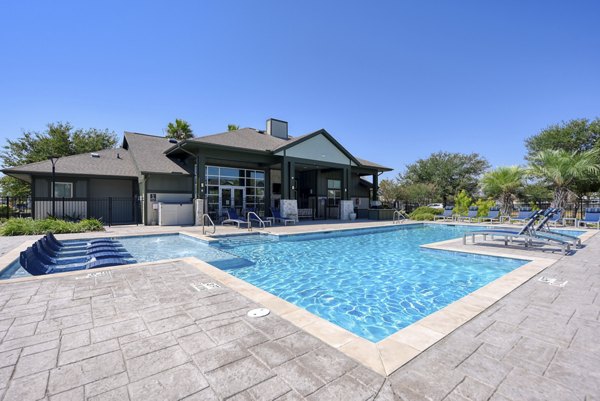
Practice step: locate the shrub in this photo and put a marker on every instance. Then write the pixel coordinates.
(422, 216)
(484, 206)
(33, 227)
(462, 201)
(425, 209)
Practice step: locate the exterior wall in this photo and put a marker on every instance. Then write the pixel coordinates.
(165, 188)
(102, 188)
(317, 148)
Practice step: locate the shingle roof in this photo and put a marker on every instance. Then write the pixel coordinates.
(251, 139)
(148, 153)
(245, 138)
(84, 164)
(368, 163)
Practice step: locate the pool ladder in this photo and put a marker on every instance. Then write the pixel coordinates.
(204, 217)
(399, 216)
(260, 221)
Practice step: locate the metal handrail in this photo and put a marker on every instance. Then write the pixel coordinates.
(204, 216)
(399, 216)
(260, 221)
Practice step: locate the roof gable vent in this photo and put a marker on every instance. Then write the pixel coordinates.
(277, 128)
(95, 154)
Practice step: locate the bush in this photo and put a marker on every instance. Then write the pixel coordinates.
(34, 227)
(423, 213)
(422, 216)
(484, 206)
(462, 201)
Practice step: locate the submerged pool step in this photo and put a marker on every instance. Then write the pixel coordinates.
(246, 240)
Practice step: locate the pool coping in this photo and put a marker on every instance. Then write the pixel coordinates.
(384, 356)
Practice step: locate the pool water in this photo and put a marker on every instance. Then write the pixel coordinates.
(373, 282)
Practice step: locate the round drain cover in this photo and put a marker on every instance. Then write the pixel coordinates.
(260, 312)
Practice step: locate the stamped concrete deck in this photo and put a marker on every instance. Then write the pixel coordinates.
(145, 332)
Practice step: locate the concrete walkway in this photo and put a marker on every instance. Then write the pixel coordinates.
(146, 333)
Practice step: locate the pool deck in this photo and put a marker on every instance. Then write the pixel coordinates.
(144, 332)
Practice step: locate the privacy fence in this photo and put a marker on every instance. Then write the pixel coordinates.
(111, 211)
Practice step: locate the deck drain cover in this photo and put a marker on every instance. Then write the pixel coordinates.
(552, 281)
(205, 286)
(260, 312)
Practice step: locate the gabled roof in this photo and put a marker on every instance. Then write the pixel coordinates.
(148, 152)
(253, 140)
(107, 164)
(245, 138)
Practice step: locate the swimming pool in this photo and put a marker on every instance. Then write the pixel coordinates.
(372, 282)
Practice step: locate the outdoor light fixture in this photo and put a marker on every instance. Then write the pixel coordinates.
(53, 160)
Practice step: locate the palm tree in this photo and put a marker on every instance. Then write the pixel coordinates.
(232, 127)
(179, 130)
(561, 169)
(503, 184)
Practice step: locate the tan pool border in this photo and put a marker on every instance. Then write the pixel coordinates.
(385, 356)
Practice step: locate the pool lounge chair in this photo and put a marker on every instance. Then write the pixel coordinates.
(492, 216)
(592, 216)
(79, 250)
(78, 243)
(232, 217)
(544, 228)
(526, 233)
(278, 217)
(524, 215)
(471, 215)
(447, 215)
(36, 267)
(76, 257)
(557, 218)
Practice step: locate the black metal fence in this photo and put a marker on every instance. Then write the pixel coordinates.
(572, 210)
(110, 210)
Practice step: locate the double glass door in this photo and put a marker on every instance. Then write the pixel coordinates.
(232, 197)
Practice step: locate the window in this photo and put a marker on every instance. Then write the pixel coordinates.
(63, 190)
(334, 192)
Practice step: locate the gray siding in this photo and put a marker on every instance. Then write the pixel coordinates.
(169, 184)
(103, 188)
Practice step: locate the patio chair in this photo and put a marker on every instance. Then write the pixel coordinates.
(232, 217)
(526, 233)
(492, 216)
(524, 215)
(544, 228)
(447, 215)
(471, 215)
(36, 267)
(278, 217)
(557, 218)
(592, 216)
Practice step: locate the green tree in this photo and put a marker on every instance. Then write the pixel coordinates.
(449, 173)
(179, 130)
(389, 191)
(232, 127)
(576, 135)
(504, 184)
(60, 139)
(573, 136)
(418, 193)
(560, 169)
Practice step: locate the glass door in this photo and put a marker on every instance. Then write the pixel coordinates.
(232, 197)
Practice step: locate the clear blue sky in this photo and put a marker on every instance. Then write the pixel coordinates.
(392, 80)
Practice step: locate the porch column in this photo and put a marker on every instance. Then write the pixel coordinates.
(375, 186)
(200, 177)
(285, 179)
(346, 183)
(293, 183)
(267, 191)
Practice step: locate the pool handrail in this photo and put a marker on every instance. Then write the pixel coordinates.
(260, 221)
(212, 223)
